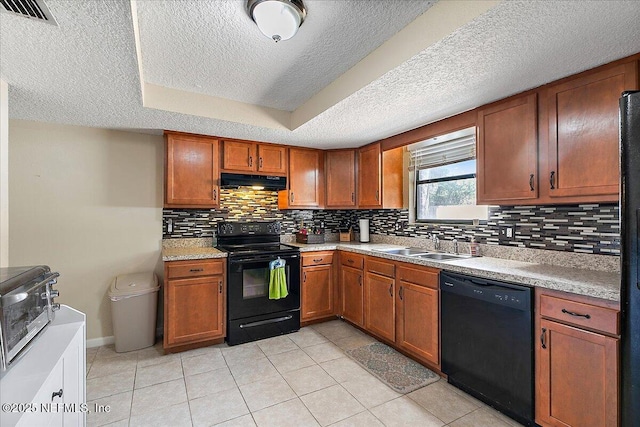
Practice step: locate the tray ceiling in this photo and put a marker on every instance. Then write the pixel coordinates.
(357, 71)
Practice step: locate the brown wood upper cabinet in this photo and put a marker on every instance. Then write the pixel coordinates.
(583, 132)
(341, 178)
(507, 151)
(380, 177)
(244, 156)
(572, 158)
(192, 172)
(306, 180)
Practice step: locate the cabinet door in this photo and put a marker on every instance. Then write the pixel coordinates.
(195, 310)
(306, 178)
(317, 292)
(380, 308)
(272, 159)
(369, 177)
(239, 156)
(74, 379)
(352, 295)
(45, 397)
(341, 179)
(417, 325)
(577, 381)
(584, 126)
(192, 173)
(507, 158)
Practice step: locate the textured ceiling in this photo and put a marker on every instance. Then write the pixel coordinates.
(213, 47)
(85, 72)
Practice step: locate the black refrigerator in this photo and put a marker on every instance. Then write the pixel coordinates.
(630, 261)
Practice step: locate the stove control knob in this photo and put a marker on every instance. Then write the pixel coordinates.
(55, 293)
(55, 307)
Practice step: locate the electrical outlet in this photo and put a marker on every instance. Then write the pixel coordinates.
(506, 232)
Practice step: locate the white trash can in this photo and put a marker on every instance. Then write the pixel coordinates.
(134, 305)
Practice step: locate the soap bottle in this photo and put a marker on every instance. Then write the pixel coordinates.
(474, 247)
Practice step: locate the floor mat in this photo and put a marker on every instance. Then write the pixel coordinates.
(394, 369)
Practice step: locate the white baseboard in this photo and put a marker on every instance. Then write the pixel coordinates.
(97, 342)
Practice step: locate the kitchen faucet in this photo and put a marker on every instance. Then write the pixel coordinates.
(436, 242)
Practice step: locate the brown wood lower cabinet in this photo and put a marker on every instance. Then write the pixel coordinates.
(379, 298)
(317, 286)
(576, 369)
(417, 312)
(397, 302)
(194, 305)
(351, 284)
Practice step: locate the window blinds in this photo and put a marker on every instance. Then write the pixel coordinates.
(441, 151)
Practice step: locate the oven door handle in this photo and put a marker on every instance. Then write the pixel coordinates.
(260, 258)
(266, 322)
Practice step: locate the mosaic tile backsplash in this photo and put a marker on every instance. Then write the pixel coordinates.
(589, 228)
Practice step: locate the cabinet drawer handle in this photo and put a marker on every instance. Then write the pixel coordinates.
(317, 259)
(531, 182)
(56, 394)
(350, 261)
(391, 290)
(220, 286)
(292, 197)
(250, 161)
(215, 194)
(400, 293)
(543, 338)
(304, 277)
(360, 280)
(353, 197)
(573, 313)
(260, 165)
(196, 270)
(552, 179)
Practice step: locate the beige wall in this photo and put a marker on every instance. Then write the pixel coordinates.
(4, 174)
(88, 203)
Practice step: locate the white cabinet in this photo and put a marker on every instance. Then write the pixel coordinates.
(46, 386)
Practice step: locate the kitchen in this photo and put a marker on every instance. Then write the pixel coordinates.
(105, 195)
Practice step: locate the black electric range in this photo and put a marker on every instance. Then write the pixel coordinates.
(253, 314)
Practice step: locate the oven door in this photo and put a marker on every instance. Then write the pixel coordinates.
(248, 286)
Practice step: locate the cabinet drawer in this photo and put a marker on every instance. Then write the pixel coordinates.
(381, 267)
(589, 316)
(176, 269)
(419, 276)
(317, 258)
(352, 260)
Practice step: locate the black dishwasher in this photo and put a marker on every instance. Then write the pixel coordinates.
(487, 342)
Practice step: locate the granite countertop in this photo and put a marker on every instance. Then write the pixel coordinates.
(193, 252)
(598, 284)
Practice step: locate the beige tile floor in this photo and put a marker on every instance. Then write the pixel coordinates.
(301, 379)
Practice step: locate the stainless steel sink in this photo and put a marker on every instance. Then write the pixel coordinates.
(404, 251)
(442, 257)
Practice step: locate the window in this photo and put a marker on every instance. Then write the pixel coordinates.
(444, 178)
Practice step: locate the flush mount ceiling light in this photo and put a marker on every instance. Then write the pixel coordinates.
(277, 19)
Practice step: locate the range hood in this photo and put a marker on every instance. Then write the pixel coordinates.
(236, 180)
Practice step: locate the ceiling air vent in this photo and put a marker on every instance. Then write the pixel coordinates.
(34, 9)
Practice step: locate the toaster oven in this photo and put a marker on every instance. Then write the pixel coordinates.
(26, 308)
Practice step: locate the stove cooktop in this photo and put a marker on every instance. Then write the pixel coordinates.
(256, 248)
